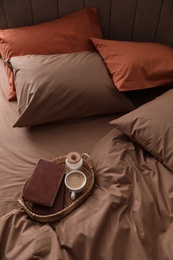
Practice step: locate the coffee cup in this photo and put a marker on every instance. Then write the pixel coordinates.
(75, 182)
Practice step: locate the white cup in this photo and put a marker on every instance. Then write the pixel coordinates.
(75, 181)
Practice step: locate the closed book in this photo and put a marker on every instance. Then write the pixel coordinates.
(57, 206)
(44, 183)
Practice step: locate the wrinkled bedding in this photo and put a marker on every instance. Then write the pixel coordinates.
(127, 216)
(139, 198)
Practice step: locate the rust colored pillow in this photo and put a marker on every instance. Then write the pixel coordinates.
(68, 34)
(136, 65)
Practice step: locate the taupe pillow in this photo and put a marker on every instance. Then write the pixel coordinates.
(151, 126)
(64, 86)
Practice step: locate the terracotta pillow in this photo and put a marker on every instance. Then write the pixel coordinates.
(137, 65)
(151, 126)
(67, 34)
(64, 86)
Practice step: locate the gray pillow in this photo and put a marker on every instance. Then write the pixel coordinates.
(64, 86)
(151, 126)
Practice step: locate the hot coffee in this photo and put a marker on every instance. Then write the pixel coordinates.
(75, 180)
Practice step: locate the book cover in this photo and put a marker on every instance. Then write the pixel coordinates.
(57, 206)
(44, 183)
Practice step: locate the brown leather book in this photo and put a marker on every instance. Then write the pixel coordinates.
(44, 183)
(57, 206)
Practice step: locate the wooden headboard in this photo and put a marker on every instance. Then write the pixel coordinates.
(133, 20)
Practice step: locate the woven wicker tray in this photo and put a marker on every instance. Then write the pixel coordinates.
(69, 204)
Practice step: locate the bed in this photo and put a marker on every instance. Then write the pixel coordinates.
(94, 77)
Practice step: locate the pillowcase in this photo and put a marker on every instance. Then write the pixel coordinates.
(64, 86)
(151, 126)
(137, 65)
(67, 34)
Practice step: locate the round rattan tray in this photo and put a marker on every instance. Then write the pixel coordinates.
(69, 204)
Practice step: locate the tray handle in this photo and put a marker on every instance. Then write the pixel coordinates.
(86, 157)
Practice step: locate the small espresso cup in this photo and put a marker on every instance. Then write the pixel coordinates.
(75, 181)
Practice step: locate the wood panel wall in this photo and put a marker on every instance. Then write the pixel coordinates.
(132, 20)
